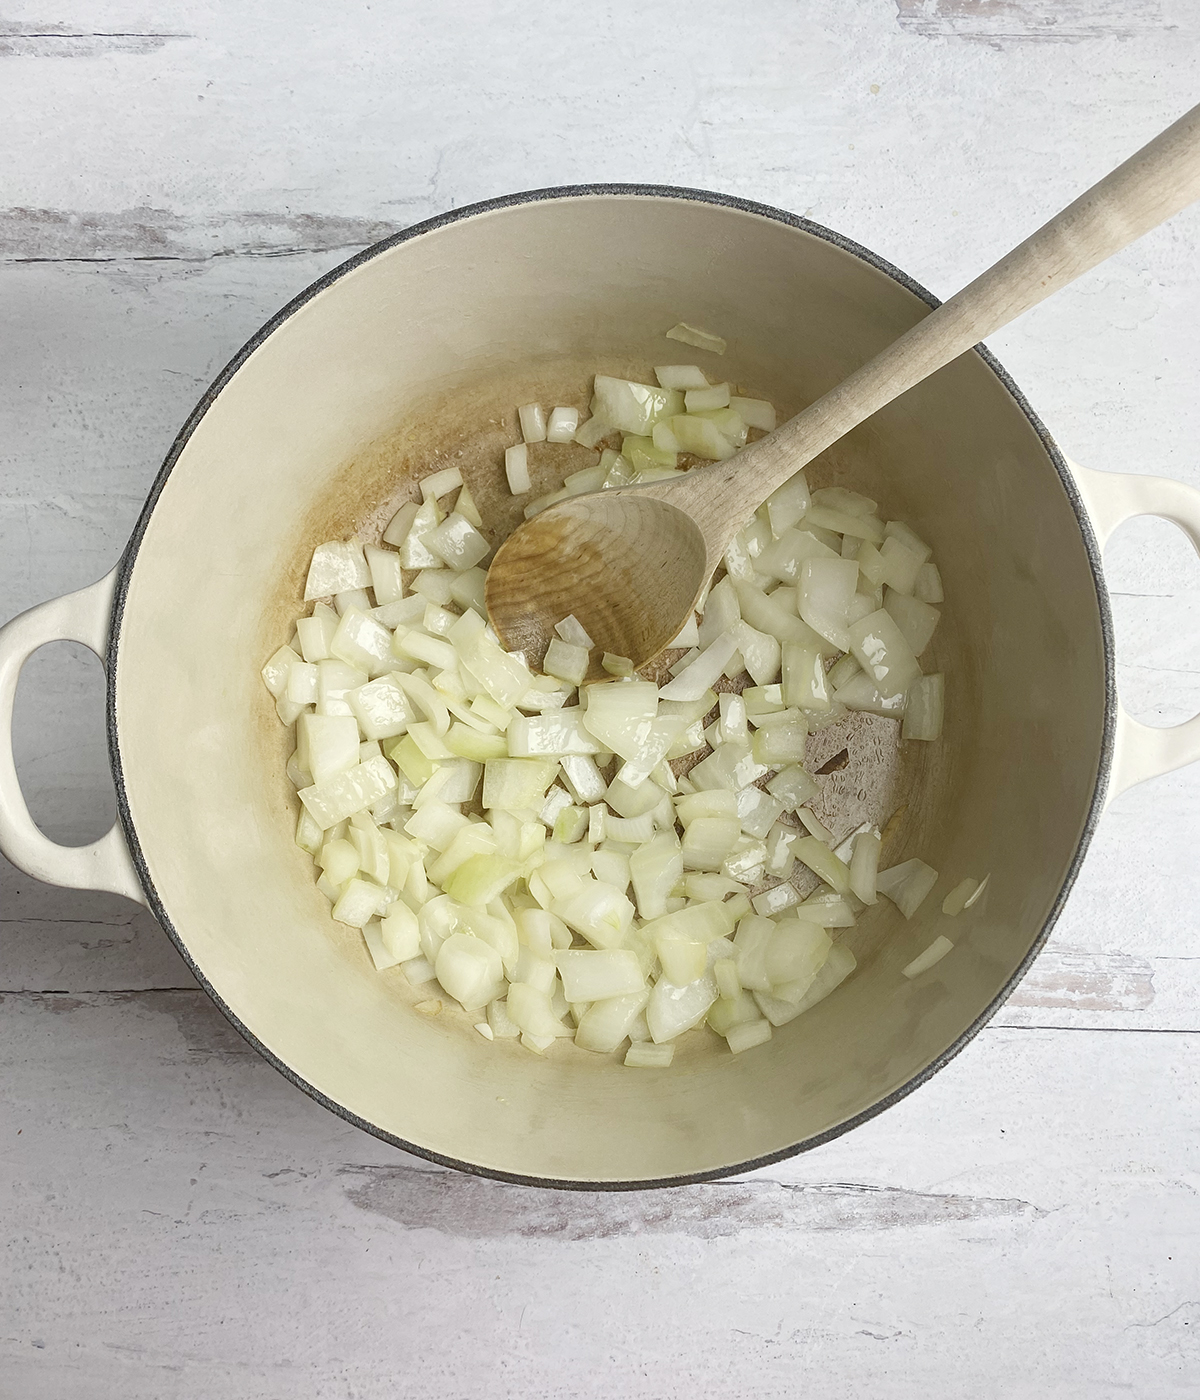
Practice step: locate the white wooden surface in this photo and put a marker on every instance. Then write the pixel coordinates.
(176, 1219)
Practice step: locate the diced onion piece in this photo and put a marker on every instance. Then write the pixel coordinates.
(600, 912)
(645, 1055)
(825, 590)
(566, 662)
(562, 425)
(655, 869)
(598, 975)
(554, 733)
(680, 376)
(882, 652)
(516, 784)
(571, 630)
(616, 665)
(694, 335)
(956, 901)
(928, 587)
(458, 542)
(725, 974)
(767, 613)
(864, 865)
(359, 902)
(414, 553)
(440, 483)
(621, 716)
(399, 933)
(907, 884)
(400, 523)
(592, 432)
(583, 778)
(352, 791)
(336, 567)
(633, 407)
(672, 1010)
(787, 504)
(793, 786)
(701, 438)
(915, 619)
(316, 632)
(470, 970)
(607, 1022)
(380, 956)
(860, 693)
(756, 413)
(899, 565)
(936, 951)
(533, 422)
(699, 675)
(710, 396)
(822, 861)
(866, 527)
(775, 900)
(898, 530)
(782, 558)
(923, 713)
(747, 1035)
(516, 468)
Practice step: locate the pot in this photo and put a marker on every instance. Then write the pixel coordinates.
(418, 350)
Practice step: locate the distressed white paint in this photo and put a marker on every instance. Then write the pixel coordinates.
(179, 1220)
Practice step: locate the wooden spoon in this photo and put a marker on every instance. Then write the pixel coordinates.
(630, 563)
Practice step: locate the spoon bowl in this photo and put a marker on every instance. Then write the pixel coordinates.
(628, 564)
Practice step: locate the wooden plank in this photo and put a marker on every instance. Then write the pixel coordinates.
(1039, 21)
(182, 1221)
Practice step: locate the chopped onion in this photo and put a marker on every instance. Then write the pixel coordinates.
(516, 468)
(644, 1055)
(936, 951)
(572, 631)
(960, 896)
(648, 874)
(883, 653)
(632, 407)
(335, 568)
(864, 865)
(693, 335)
(907, 884)
(923, 714)
(533, 422)
(710, 396)
(563, 424)
(756, 413)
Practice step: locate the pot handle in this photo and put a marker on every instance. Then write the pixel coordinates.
(1141, 750)
(105, 864)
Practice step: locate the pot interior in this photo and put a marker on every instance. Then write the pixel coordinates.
(416, 358)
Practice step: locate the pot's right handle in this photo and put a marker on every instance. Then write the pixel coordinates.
(1142, 751)
(105, 864)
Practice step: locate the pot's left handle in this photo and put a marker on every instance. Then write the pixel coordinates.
(105, 864)
(1143, 751)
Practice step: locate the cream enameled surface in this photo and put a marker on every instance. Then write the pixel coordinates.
(522, 289)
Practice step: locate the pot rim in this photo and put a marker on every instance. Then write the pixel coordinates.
(425, 226)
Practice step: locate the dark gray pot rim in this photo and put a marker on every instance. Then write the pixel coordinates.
(129, 557)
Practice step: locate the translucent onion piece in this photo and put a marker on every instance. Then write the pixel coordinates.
(607, 1022)
(533, 422)
(694, 335)
(956, 901)
(571, 630)
(915, 619)
(864, 865)
(335, 568)
(595, 976)
(632, 407)
(672, 1010)
(562, 425)
(907, 884)
(756, 413)
(923, 713)
(936, 951)
(644, 1055)
(699, 675)
(516, 469)
(787, 504)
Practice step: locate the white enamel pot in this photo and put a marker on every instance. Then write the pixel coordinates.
(421, 347)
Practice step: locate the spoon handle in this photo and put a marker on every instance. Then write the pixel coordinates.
(1152, 185)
